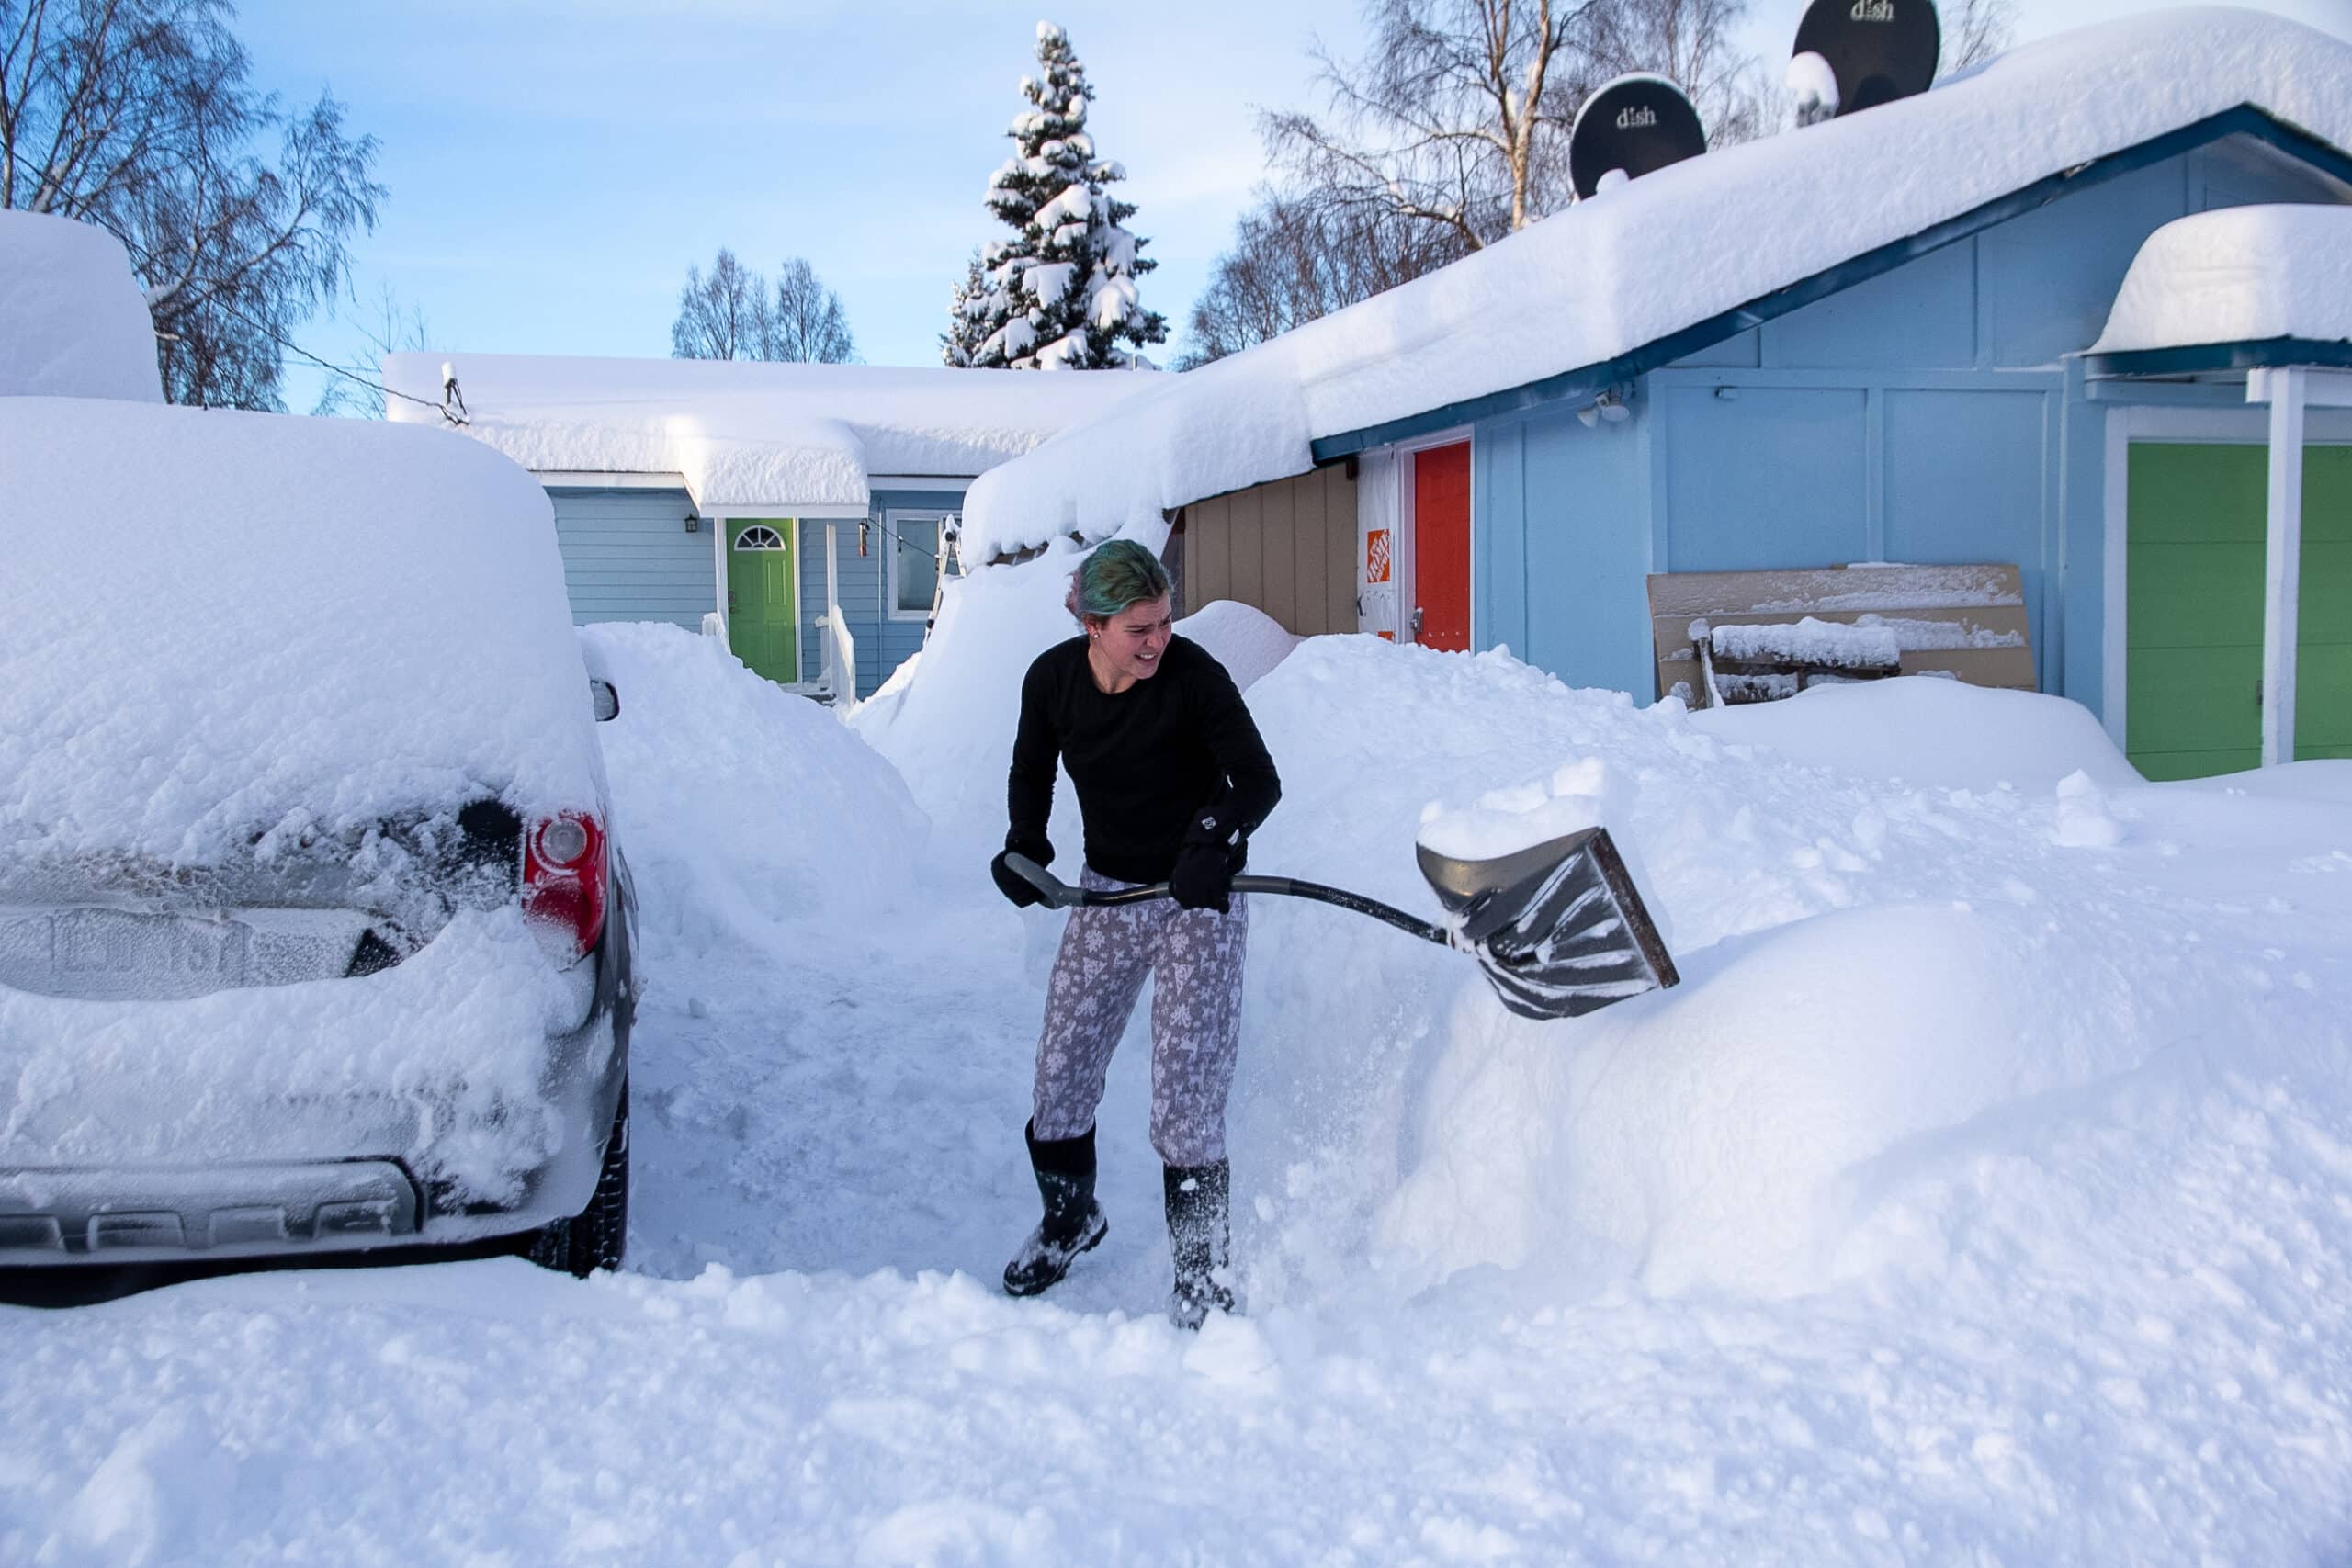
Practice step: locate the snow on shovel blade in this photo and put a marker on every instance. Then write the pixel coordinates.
(1558, 928)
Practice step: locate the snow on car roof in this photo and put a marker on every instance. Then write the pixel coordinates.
(1675, 248)
(214, 622)
(2239, 274)
(72, 320)
(753, 435)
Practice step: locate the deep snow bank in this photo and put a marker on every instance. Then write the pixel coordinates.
(74, 321)
(738, 805)
(1866, 962)
(1895, 907)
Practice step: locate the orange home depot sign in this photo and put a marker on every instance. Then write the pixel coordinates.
(1376, 556)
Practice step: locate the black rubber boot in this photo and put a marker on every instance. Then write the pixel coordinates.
(1073, 1222)
(1198, 1240)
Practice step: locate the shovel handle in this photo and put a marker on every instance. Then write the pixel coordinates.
(1062, 895)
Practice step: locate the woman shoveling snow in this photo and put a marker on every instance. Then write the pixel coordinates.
(1172, 779)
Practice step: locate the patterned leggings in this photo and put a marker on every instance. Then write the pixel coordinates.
(1196, 1018)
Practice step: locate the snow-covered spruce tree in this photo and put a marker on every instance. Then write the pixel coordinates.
(1060, 295)
(961, 341)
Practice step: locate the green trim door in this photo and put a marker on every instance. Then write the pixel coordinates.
(2197, 516)
(763, 626)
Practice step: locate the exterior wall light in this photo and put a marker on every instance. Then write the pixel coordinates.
(694, 523)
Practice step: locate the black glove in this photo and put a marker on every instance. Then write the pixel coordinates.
(1011, 882)
(1212, 851)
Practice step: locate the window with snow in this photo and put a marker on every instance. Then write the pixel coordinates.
(914, 561)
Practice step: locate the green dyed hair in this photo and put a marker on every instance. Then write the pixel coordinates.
(1115, 576)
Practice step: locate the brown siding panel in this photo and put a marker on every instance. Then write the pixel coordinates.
(1278, 522)
(1245, 515)
(1208, 551)
(1287, 547)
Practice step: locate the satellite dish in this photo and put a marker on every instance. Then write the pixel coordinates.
(1879, 50)
(1635, 125)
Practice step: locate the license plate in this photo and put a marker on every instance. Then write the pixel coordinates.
(100, 955)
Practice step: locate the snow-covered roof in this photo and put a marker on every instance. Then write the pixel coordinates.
(805, 436)
(74, 321)
(1680, 246)
(2239, 275)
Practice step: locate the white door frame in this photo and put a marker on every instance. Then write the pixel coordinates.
(1408, 587)
(2208, 425)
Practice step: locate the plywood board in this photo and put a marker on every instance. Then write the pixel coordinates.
(1980, 607)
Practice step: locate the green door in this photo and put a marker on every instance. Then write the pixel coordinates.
(761, 625)
(2197, 517)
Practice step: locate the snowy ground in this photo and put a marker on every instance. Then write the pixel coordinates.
(1985, 1194)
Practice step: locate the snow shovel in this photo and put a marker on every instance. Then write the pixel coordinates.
(1558, 928)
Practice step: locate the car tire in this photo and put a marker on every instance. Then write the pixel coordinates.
(596, 1236)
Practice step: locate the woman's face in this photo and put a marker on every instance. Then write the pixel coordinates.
(1131, 642)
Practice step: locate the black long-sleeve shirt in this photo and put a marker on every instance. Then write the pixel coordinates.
(1145, 760)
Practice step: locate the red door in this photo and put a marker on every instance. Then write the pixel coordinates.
(1441, 547)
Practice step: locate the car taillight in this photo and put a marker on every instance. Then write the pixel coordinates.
(564, 877)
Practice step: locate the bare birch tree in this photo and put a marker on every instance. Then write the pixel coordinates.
(136, 116)
(1974, 32)
(1457, 115)
(732, 314)
(806, 322)
(1449, 133)
(1292, 261)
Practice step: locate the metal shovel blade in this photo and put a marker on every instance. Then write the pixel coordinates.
(1558, 928)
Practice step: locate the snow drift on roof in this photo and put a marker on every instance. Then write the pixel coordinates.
(2241, 275)
(270, 623)
(751, 435)
(73, 323)
(1666, 252)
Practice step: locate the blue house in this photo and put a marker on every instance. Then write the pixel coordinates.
(802, 512)
(1862, 342)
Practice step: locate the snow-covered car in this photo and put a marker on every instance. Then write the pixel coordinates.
(314, 933)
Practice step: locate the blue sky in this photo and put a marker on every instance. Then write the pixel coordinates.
(555, 165)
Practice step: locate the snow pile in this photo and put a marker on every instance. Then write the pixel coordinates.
(1871, 963)
(1245, 640)
(295, 624)
(740, 806)
(73, 323)
(1904, 729)
(747, 435)
(2239, 275)
(1741, 222)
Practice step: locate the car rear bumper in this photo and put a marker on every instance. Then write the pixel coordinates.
(287, 1204)
(127, 1215)
(318, 1178)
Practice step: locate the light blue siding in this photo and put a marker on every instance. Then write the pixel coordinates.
(1588, 513)
(1928, 414)
(1760, 477)
(883, 641)
(627, 557)
(1921, 314)
(1968, 479)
